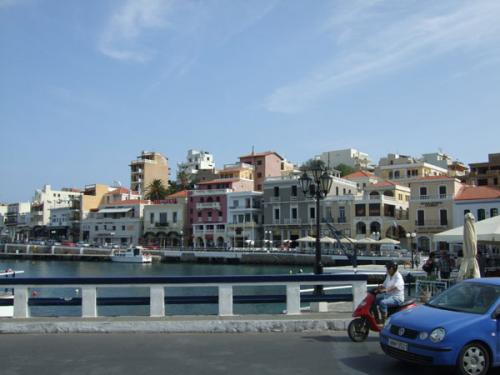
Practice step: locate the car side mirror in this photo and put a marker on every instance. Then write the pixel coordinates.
(496, 313)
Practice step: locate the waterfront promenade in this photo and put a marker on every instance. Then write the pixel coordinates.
(198, 354)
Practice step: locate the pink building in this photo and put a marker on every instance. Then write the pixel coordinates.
(207, 210)
(267, 164)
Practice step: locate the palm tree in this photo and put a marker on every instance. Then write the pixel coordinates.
(156, 190)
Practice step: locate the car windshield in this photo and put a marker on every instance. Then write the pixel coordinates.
(467, 297)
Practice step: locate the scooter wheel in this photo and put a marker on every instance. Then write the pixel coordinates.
(358, 330)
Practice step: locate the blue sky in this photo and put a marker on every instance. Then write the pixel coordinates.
(86, 85)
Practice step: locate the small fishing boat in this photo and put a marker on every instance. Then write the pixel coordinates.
(131, 255)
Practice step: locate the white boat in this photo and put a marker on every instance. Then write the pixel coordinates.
(131, 255)
(6, 296)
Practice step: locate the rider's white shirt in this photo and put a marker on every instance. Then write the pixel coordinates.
(397, 281)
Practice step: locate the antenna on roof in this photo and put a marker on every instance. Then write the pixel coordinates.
(117, 183)
(253, 149)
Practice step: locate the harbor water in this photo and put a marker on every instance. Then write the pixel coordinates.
(47, 268)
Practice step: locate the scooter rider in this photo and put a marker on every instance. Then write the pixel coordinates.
(392, 291)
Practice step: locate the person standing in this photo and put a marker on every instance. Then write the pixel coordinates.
(445, 265)
(430, 264)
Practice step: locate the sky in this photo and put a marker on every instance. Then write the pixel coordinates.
(85, 86)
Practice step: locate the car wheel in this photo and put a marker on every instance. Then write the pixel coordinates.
(474, 359)
(358, 329)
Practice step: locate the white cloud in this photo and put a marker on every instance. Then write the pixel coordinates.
(366, 51)
(120, 38)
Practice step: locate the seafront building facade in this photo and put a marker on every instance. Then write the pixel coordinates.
(431, 208)
(165, 221)
(245, 219)
(17, 221)
(266, 164)
(404, 169)
(289, 215)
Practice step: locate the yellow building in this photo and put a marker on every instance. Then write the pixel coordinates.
(149, 166)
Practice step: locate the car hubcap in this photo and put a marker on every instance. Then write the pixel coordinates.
(474, 361)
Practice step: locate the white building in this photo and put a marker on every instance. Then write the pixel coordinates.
(482, 201)
(118, 223)
(245, 218)
(17, 221)
(351, 157)
(46, 199)
(198, 160)
(3, 216)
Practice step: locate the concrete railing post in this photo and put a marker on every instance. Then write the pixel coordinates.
(21, 309)
(157, 300)
(89, 302)
(358, 292)
(52, 248)
(293, 299)
(225, 300)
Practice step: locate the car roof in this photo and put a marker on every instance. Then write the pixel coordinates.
(485, 280)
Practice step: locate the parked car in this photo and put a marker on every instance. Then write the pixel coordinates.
(82, 244)
(68, 243)
(459, 327)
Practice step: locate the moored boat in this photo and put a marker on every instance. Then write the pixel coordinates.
(131, 255)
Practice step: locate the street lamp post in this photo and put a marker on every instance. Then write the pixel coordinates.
(317, 187)
(410, 237)
(182, 239)
(268, 234)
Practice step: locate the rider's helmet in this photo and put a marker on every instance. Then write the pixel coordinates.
(391, 264)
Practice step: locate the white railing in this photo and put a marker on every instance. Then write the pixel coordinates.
(157, 285)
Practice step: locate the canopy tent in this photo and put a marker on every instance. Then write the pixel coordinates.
(388, 240)
(306, 239)
(487, 230)
(327, 239)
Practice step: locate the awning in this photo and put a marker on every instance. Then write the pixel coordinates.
(487, 230)
(114, 210)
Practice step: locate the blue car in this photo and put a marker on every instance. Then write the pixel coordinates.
(459, 327)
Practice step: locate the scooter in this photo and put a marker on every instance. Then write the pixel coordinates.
(366, 317)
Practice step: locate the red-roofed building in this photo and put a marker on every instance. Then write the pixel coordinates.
(482, 201)
(362, 179)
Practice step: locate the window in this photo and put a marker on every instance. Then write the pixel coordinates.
(199, 213)
(123, 227)
(96, 228)
(442, 192)
(163, 217)
(481, 214)
(276, 214)
(420, 218)
(151, 217)
(390, 175)
(312, 212)
(443, 217)
(259, 187)
(209, 214)
(493, 212)
(105, 227)
(276, 191)
(294, 212)
(423, 192)
(259, 174)
(174, 217)
(360, 210)
(294, 190)
(396, 174)
(259, 162)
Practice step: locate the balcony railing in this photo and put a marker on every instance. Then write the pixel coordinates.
(214, 205)
(431, 224)
(161, 225)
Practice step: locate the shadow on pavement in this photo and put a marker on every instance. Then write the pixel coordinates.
(329, 338)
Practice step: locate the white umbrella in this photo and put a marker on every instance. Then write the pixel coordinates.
(306, 239)
(469, 269)
(388, 240)
(348, 240)
(327, 239)
(366, 241)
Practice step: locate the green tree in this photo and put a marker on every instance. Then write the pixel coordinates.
(156, 191)
(313, 164)
(344, 169)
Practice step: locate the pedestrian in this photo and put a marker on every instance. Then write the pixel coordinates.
(445, 265)
(430, 264)
(417, 258)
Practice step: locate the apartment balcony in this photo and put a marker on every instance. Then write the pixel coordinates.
(430, 225)
(431, 198)
(213, 205)
(161, 225)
